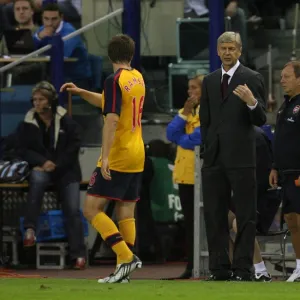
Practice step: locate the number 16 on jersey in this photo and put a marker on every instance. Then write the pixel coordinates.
(137, 110)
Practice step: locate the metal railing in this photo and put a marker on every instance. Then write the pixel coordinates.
(200, 261)
(296, 21)
(65, 38)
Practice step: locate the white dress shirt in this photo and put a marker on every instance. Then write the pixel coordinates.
(231, 73)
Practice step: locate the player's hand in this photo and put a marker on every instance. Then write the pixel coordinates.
(245, 94)
(105, 169)
(47, 31)
(49, 166)
(189, 104)
(71, 87)
(273, 179)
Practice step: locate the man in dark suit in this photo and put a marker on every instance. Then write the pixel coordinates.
(233, 100)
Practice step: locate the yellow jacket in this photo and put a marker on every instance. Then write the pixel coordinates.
(184, 169)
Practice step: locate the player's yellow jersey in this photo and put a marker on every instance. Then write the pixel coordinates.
(124, 94)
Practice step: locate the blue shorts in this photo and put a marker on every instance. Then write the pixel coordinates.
(121, 187)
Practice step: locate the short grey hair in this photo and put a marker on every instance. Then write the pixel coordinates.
(230, 37)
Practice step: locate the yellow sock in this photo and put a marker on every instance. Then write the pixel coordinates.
(128, 232)
(110, 234)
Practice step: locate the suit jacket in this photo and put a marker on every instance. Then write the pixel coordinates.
(227, 125)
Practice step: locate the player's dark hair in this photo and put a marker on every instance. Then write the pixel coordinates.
(51, 7)
(296, 66)
(121, 49)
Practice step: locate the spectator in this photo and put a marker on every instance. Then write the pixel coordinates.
(23, 13)
(71, 9)
(78, 72)
(8, 18)
(184, 131)
(237, 14)
(50, 143)
(233, 9)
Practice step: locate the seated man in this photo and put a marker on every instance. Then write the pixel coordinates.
(70, 8)
(265, 216)
(80, 71)
(8, 17)
(23, 14)
(23, 11)
(50, 143)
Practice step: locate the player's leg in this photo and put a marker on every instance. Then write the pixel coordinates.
(94, 212)
(293, 223)
(291, 208)
(127, 262)
(261, 272)
(125, 215)
(125, 210)
(100, 191)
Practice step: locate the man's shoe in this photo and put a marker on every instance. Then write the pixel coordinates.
(123, 270)
(108, 279)
(262, 277)
(80, 263)
(29, 238)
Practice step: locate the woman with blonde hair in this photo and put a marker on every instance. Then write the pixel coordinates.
(184, 131)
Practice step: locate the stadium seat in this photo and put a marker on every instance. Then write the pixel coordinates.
(15, 102)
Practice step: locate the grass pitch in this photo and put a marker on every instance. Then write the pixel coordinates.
(73, 289)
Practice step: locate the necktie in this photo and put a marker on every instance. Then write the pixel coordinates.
(224, 85)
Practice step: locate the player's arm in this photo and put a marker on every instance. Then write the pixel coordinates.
(112, 110)
(91, 97)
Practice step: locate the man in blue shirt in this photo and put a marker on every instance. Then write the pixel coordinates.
(52, 17)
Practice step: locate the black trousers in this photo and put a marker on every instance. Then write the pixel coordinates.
(186, 194)
(217, 185)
